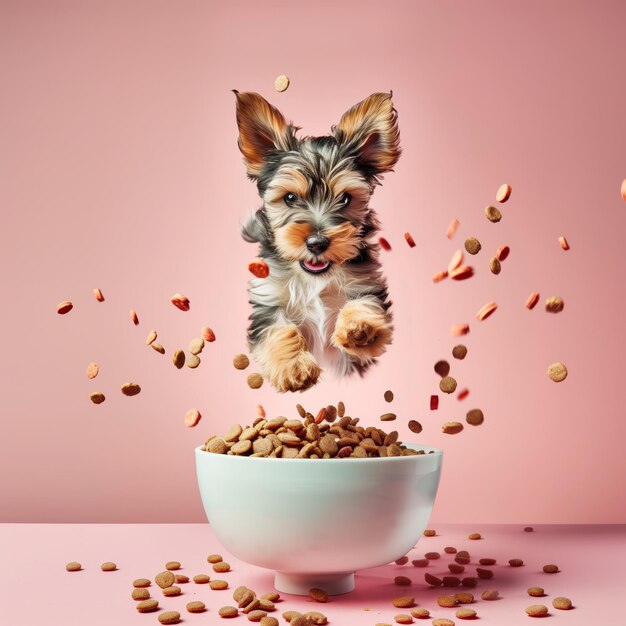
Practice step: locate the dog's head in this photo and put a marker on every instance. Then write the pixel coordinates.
(316, 190)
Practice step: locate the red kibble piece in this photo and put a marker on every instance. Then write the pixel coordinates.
(384, 244)
(532, 300)
(462, 272)
(486, 310)
(208, 334)
(180, 302)
(502, 253)
(434, 403)
(133, 316)
(463, 394)
(454, 224)
(192, 417)
(260, 411)
(503, 193)
(259, 268)
(563, 243)
(460, 329)
(409, 240)
(98, 294)
(439, 276)
(624, 190)
(64, 307)
(455, 262)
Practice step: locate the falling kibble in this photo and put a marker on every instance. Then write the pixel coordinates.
(459, 329)
(486, 310)
(192, 417)
(493, 214)
(193, 361)
(92, 370)
(179, 358)
(208, 334)
(131, 389)
(409, 240)
(384, 244)
(281, 83)
(255, 380)
(97, 397)
(554, 304)
(472, 245)
(452, 228)
(98, 295)
(503, 193)
(180, 302)
(134, 317)
(64, 307)
(495, 265)
(557, 372)
(624, 190)
(459, 352)
(151, 337)
(158, 347)
(563, 243)
(532, 300)
(241, 361)
(259, 268)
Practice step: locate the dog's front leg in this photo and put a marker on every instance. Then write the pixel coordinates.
(284, 358)
(363, 328)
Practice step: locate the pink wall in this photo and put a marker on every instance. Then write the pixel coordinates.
(120, 170)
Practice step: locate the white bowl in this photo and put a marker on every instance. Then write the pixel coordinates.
(315, 521)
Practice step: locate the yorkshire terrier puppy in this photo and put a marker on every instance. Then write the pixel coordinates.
(325, 301)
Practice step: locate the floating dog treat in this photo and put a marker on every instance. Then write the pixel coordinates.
(502, 253)
(557, 372)
(474, 536)
(201, 579)
(528, 529)
(169, 617)
(131, 389)
(459, 352)
(532, 300)
(563, 243)
(73, 566)
(158, 347)
(403, 602)
(465, 613)
(503, 193)
(196, 607)
(403, 619)
(208, 334)
(171, 591)
(486, 310)
(281, 83)
(241, 361)
(459, 329)
(384, 244)
(179, 358)
(452, 428)
(516, 562)
(492, 213)
(255, 380)
(454, 224)
(64, 307)
(536, 592)
(164, 579)
(434, 403)
(472, 245)
(402, 581)
(141, 582)
(537, 610)
(180, 302)
(388, 396)
(429, 532)
(494, 265)
(92, 370)
(218, 585)
(624, 190)
(221, 567)
(319, 595)
(550, 568)
(180, 579)
(464, 597)
(151, 337)
(420, 613)
(463, 394)
(439, 276)
(193, 361)
(554, 304)
(108, 567)
(455, 262)
(192, 417)
(490, 594)
(228, 611)
(447, 384)
(134, 317)
(446, 601)
(415, 427)
(259, 268)
(98, 295)
(462, 272)
(147, 606)
(97, 397)
(562, 603)
(409, 240)
(196, 345)
(442, 368)
(140, 594)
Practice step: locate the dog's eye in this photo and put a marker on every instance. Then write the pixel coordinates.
(290, 199)
(345, 199)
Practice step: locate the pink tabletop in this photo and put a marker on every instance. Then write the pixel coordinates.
(38, 591)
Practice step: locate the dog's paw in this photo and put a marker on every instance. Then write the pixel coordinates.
(362, 329)
(298, 374)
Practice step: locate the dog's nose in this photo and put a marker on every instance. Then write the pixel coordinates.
(317, 243)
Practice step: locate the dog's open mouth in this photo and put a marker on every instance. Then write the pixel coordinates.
(315, 268)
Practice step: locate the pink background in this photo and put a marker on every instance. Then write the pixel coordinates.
(120, 170)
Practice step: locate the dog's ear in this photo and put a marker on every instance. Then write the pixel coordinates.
(369, 131)
(261, 128)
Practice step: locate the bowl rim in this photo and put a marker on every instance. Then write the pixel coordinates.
(437, 452)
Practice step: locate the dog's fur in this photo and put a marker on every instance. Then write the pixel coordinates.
(340, 318)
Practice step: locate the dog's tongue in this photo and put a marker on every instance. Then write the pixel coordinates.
(316, 267)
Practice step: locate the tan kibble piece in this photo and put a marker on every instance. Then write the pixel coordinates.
(442, 621)
(341, 409)
(532, 300)
(387, 417)
(241, 361)
(562, 603)
(97, 397)
(452, 428)
(403, 602)
(64, 307)
(272, 596)
(158, 347)
(181, 579)
(290, 615)
(255, 380)
(201, 579)
(493, 214)
(245, 598)
(474, 536)
(196, 345)
(447, 384)
(92, 370)
(537, 610)
(218, 585)
(442, 368)
(494, 265)
(73, 566)
(455, 568)
(429, 532)
(196, 607)
(256, 615)
(388, 396)
(402, 581)
(171, 591)
(415, 427)
(241, 447)
(164, 579)
(169, 617)
(141, 582)
(222, 566)
(472, 245)
(316, 617)
(281, 82)
(450, 550)
(217, 446)
(228, 611)
(554, 304)
(108, 567)
(319, 595)
(446, 601)
(140, 594)
(420, 613)
(147, 606)
(557, 372)
(475, 417)
(490, 594)
(172, 565)
(536, 592)
(266, 605)
(152, 335)
(192, 417)
(179, 358)
(403, 619)
(551, 568)
(130, 389)
(464, 597)
(516, 562)
(193, 361)
(268, 620)
(465, 613)
(459, 352)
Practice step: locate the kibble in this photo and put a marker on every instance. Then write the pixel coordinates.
(469, 581)
(557, 372)
(92, 370)
(387, 417)
(147, 606)
(460, 329)
(403, 602)
(131, 389)
(134, 317)
(562, 603)
(528, 529)
(218, 585)
(442, 621)
(269, 621)
(464, 597)
(484, 574)
(486, 310)
(452, 428)
(459, 352)
(490, 594)
(474, 536)
(402, 618)
(463, 394)
(432, 556)
(446, 601)
(551, 568)
(196, 345)
(493, 214)
(141, 582)
(316, 617)
(384, 244)
(207, 334)
(259, 268)
(179, 358)
(171, 591)
(451, 581)
(475, 417)
(98, 295)
(217, 558)
(463, 272)
(516, 562)
(169, 617)
(201, 579)
(532, 300)
(430, 532)
(192, 417)
(108, 567)
(402, 581)
(503, 193)
(465, 613)
(180, 302)
(433, 580)
(281, 83)
(419, 562)
(180, 579)
(73, 566)
(158, 347)
(172, 565)
(487, 561)
(502, 253)
(420, 613)
(537, 610)
(221, 567)
(193, 361)
(439, 276)
(97, 397)
(447, 384)
(290, 615)
(403, 560)
(140, 594)
(536, 592)
(228, 611)
(64, 307)
(415, 426)
(454, 224)
(455, 261)
(255, 380)
(319, 595)
(472, 245)
(442, 368)
(434, 403)
(494, 265)
(450, 550)
(409, 240)
(388, 396)
(164, 579)
(563, 243)
(196, 607)
(554, 304)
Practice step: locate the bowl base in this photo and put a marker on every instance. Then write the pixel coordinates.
(299, 584)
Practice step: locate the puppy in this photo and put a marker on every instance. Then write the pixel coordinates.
(325, 302)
